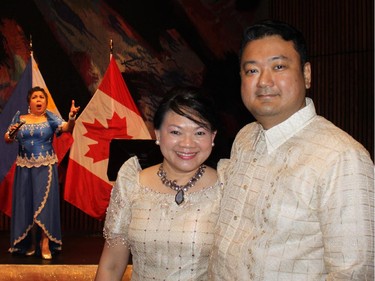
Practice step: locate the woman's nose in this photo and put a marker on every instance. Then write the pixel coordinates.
(187, 141)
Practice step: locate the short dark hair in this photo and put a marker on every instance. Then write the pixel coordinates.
(286, 31)
(191, 103)
(36, 89)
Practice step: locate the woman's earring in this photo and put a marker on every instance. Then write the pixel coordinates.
(28, 109)
(213, 144)
(157, 142)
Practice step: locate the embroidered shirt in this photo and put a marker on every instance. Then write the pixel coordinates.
(298, 204)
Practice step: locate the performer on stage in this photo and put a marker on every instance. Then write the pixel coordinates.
(35, 221)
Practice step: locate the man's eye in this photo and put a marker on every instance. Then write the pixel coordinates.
(250, 71)
(279, 67)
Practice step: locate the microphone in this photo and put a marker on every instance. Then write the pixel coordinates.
(15, 130)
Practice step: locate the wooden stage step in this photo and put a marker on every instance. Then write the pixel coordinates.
(32, 272)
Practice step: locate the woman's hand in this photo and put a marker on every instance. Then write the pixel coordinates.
(68, 126)
(7, 137)
(73, 111)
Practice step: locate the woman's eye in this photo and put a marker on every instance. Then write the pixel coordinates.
(201, 133)
(174, 132)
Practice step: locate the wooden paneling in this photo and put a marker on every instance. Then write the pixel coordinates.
(340, 37)
(73, 220)
(4, 222)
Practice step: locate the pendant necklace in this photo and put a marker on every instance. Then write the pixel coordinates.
(181, 189)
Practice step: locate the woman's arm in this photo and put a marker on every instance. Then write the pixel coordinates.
(113, 262)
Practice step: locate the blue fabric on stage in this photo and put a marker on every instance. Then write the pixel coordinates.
(36, 195)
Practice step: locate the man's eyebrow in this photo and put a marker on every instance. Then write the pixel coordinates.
(280, 57)
(249, 62)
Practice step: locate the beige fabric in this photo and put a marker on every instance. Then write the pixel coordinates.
(298, 204)
(168, 241)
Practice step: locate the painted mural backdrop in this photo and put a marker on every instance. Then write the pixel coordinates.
(83, 29)
(13, 57)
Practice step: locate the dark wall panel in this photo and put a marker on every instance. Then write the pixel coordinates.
(340, 36)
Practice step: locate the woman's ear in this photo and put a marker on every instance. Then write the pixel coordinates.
(213, 136)
(157, 135)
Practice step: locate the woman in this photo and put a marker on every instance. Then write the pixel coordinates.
(36, 202)
(165, 215)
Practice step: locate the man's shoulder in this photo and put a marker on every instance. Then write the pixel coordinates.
(323, 128)
(323, 132)
(250, 128)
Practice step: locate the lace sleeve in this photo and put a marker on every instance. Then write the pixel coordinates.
(119, 210)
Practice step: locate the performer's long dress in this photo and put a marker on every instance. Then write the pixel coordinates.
(36, 198)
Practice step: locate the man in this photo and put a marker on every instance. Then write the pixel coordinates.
(298, 199)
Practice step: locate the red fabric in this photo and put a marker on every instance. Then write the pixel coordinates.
(6, 192)
(62, 144)
(94, 201)
(111, 113)
(113, 85)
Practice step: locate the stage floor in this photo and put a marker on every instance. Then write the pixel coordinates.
(77, 261)
(77, 249)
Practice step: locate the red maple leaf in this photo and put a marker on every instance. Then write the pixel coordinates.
(117, 128)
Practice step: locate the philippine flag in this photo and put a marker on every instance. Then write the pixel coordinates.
(62, 143)
(16, 102)
(110, 114)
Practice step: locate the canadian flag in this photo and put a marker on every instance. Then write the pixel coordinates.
(111, 113)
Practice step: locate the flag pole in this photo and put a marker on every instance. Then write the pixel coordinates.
(31, 45)
(110, 49)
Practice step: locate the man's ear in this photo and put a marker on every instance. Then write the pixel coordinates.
(307, 75)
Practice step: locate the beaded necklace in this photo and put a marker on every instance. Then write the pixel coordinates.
(181, 189)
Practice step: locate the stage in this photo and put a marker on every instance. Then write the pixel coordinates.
(78, 260)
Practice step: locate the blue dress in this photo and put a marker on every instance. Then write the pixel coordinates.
(36, 196)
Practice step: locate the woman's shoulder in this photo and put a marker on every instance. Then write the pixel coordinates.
(130, 166)
(51, 115)
(211, 175)
(150, 170)
(127, 176)
(148, 177)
